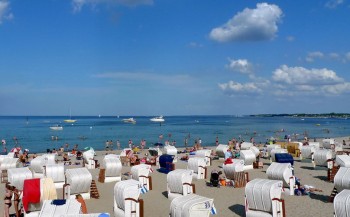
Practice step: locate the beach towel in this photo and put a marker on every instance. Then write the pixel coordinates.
(31, 192)
(49, 189)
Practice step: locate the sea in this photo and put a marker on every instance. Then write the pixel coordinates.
(34, 133)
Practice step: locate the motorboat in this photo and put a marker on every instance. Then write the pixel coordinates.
(157, 119)
(57, 127)
(129, 120)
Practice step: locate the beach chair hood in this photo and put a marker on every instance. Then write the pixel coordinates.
(112, 166)
(8, 163)
(79, 180)
(275, 151)
(255, 150)
(191, 205)
(195, 162)
(322, 156)
(280, 171)
(126, 189)
(16, 176)
(221, 150)
(170, 150)
(246, 145)
(342, 179)
(248, 156)
(55, 171)
(341, 204)
(343, 160)
(177, 178)
(306, 151)
(236, 166)
(140, 170)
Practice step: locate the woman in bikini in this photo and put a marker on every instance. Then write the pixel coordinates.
(16, 200)
(7, 200)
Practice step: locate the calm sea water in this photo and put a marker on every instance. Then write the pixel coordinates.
(34, 132)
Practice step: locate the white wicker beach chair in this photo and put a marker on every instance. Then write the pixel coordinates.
(78, 181)
(141, 173)
(326, 143)
(323, 158)
(284, 173)
(221, 150)
(16, 176)
(270, 147)
(171, 150)
(307, 152)
(341, 204)
(255, 150)
(8, 163)
(263, 198)
(204, 153)
(56, 172)
(249, 158)
(276, 151)
(69, 208)
(342, 160)
(179, 183)
(246, 145)
(89, 161)
(191, 205)
(113, 168)
(126, 199)
(235, 167)
(342, 179)
(198, 166)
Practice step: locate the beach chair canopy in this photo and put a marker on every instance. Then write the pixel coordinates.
(9, 155)
(260, 192)
(140, 170)
(154, 152)
(36, 165)
(16, 176)
(280, 171)
(342, 179)
(248, 156)
(57, 208)
(284, 158)
(341, 204)
(50, 158)
(89, 154)
(164, 159)
(8, 163)
(112, 156)
(322, 156)
(195, 162)
(343, 160)
(191, 205)
(126, 189)
(236, 166)
(112, 166)
(79, 180)
(327, 143)
(315, 144)
(255, 150)
(273, 146)
(55, 171)
(170, 150)
(307, 151)
(277, 151)
(221, 150)
(203, 153)
(177, 178)
(246, 145)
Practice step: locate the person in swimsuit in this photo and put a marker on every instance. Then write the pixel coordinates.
(7, 200)
(16, 200)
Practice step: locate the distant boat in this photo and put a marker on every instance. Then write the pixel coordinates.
(57, 127)
(318, 124)
(70, 120)
(157, 119)
(129, 120)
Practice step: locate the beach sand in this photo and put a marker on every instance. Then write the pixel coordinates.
(228, 201)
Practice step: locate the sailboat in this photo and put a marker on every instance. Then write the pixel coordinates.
(70, 120)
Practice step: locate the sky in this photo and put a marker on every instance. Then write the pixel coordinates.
(174, 57)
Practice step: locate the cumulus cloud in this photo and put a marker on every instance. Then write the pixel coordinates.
(240, 65)
(303, 76)
(78, 4)
(333, 3)
(250, 25)
(314, 55)
(4, 11)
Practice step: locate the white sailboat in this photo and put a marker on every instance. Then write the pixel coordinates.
(129, 120)
(70, 120)
(57, 127)
(157, 119)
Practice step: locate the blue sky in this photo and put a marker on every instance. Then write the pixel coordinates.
(174, 57)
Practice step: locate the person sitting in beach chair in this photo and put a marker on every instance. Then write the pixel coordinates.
(214, 178)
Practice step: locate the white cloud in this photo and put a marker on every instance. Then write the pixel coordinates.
(78, 4)
(334, 55)
(250, 25)
(240, 65)
(336, 89)
(347, 56)
(4, 11)
(234, 87)
(195, 45)
(303, 76)
(334, 3)
(290, 38)
(314, 55)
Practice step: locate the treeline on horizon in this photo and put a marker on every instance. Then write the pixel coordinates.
(305, 115)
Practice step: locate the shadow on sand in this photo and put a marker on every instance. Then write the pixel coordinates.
(238, 209)
(320, 197)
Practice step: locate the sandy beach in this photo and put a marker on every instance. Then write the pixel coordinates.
(228, 201)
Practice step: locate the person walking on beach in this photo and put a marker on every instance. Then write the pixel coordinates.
(118, 144)
(107, 145)
(217, 141)
(130, 143)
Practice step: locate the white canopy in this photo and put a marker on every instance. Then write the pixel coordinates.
(8, 163)
(191, 205)
(112, 166)
(126, 189)
(140, 170)
(273, 146)
(204, 153)
(315, 144)
(55, 171)
(343, 160)
(177, 178)
(236, 166)
(307, 151)
(16, 176)
(198, 165)
(79, 180)
(327, 143)
(260, 192)
(248, 156)
(221, 150)
(342, 204)
(255, 150)
(280, 171)
(246, 145)
(342, 179)
(321, 157)
(170, 150)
